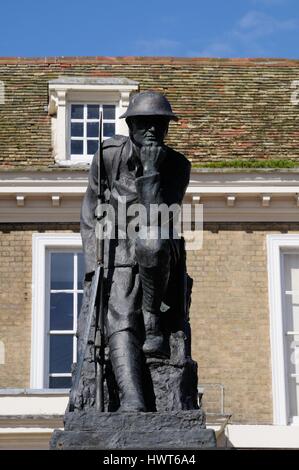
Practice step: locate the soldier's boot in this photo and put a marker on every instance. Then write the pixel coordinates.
(126, 358)
(153, 256)
(154, 282)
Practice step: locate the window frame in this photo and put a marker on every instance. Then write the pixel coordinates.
(84, 158)
(277, 246)
(41, 245)
(48, 332)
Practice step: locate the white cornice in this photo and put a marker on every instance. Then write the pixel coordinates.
(62, 87)
(53, 196)
(226, 197)
(259, 189)
(243, 182)
(54, 182)
(92, 87)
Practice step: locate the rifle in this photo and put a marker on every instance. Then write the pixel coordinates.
(96, 304)
(99, 343)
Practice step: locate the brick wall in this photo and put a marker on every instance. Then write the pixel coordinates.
(229, 315)
(229, 108)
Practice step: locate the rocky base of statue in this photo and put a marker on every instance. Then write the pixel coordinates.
(173, 381)
(177, 430)
(169, 384)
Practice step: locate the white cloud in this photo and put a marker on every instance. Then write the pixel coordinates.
(257, 24)
(215, 49)
(247, 37)
(269, 2)
(159, 46)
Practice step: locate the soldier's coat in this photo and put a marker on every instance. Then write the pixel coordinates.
(166, 186)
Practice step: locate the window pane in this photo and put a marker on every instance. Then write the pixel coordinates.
(81, 270)
(61, 311)
(77, 111)
(62, 265)
(92, 147)
(109, 129)
(77, 129)
(76, 147)
(61, 353)
(92, 129)
(109, 111)
(60, 382)
(80, 298)
(92, 111)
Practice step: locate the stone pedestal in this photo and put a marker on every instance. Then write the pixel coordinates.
(180, 430)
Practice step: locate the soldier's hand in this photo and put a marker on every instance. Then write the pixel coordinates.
(151, 157)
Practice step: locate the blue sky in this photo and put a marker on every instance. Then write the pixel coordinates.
(185, 28)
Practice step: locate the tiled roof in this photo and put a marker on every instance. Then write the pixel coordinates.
(229, 108)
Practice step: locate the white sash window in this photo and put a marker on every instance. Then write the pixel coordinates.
(283, 269)
(64, 293)
(57, 292)
(290, 279)
(84, 120)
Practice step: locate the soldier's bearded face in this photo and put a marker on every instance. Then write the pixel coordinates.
(148, 130)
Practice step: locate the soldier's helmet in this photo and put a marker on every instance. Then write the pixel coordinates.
(149, 103)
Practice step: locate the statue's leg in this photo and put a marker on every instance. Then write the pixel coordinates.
(124, 327)
(153, 256)
(126, 358)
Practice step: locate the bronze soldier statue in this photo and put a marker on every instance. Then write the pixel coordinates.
(137, 297)
(141, 272)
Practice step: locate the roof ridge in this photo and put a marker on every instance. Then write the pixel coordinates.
(150, 59)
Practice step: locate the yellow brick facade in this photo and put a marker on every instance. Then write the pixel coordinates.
(230, 317)
(229, 314)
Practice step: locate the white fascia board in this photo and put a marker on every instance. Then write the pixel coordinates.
(45, 183)
(230, 214)
(282, 183)
(25, 430)
(224, 189)
(244, 178)
(91, 87)
(42, 189)
(262, 436)
(51, 175)
(39, 405)
(73, 182)
(50, 215)
(80, 189)
(212, 189)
